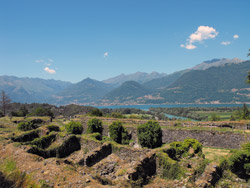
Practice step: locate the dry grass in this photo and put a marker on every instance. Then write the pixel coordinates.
(214, 154)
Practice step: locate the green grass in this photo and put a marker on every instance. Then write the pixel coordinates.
(20, 179)
(223, 115)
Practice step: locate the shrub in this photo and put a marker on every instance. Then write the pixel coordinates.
(181, 148)
(170, 169)
(74, 127)
(150, 134)
(118, 133)
(116, 115)
(94, 126)
(44, 141)
(42, 112)
(96, 112)
(239, 163)
(26, 126)
(27, 136)
(96, 136)
(53, 128)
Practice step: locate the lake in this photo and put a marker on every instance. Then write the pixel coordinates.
(146, 107)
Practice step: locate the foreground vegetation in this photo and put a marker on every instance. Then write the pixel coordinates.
(183, 163)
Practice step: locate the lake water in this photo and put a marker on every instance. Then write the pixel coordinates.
(146, 107)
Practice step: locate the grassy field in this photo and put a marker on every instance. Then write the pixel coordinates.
(223, 115)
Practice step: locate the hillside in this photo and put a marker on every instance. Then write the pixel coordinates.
(216, 63)
(218, 84)
(86, 91)
(161, 83)
(139, 77)
(127, 92)
(222, 84)
(28, 90)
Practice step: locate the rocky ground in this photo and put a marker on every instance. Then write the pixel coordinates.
(95, 163)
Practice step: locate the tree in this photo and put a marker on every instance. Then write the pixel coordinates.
(4, 102)
(118, 133)
(245, 112)
(74, 127)
(248, 78)
(150, 134)
(96, 112)
(94, 126)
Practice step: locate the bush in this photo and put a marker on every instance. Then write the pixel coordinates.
(44, 141)
(74, 127)
(239, 163)
(150, 134)
(118, 133)
(96, 136)
(26, 126)
(181, 148)
(96, 112)
(94, 126)
(28, 136)
(170, 169)
(116, 115)
(53, 128)
(42, 112)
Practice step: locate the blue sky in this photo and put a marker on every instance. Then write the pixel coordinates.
(72, 40)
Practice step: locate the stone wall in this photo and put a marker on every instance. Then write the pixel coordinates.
(220, 139)
(207, 138)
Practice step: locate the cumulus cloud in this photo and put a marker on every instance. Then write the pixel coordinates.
(39, 60)
(201, 34)
(225, 43)
(106, 54)
(50, 71)
(236, 36)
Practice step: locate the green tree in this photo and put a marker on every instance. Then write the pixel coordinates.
(4, 102)
(245, 112)
(118, 133)
(215, 117)
(95, 126)
(248, 78)
(23, 110)
(150, 134)
(96, 112)
(74, 127)
(43, 112)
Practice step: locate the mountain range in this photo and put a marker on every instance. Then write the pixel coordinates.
(213, 81)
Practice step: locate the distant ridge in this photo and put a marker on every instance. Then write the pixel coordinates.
(86, 91)
(139, 77)
(27, 90)
(213, 81)
(216, 63)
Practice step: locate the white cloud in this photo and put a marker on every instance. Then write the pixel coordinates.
(47, 64)
(188, 46)
(39, 60)
(50, 71)
(236, 36)
(106, 54)
(201, 34)
(50, 60)
(225, 43)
